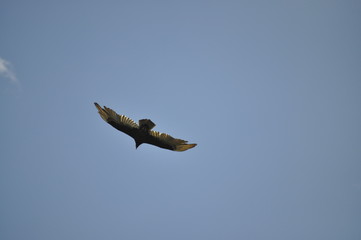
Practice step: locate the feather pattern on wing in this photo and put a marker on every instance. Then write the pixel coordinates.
(120, 122)
(175, 143)
(109, 115)
(166, 138)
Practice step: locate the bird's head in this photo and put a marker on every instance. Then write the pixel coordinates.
(137, 144)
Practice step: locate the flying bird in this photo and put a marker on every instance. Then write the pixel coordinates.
(142, 132)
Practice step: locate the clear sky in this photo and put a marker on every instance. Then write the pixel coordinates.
(270, 91)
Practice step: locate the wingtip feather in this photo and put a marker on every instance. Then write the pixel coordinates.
(101, 111)
(184, 147)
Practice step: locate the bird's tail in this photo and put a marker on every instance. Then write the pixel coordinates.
(147, 123)
(184, 147)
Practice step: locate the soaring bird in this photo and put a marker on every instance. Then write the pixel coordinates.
(142, 132)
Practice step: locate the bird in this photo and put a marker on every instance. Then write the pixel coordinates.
(142, 132)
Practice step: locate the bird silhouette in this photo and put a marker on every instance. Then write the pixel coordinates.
(142, 132)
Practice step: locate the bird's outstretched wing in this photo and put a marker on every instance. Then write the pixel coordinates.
(120, 122)
(164, 140)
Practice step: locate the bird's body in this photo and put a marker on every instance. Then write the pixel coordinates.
(143, 132)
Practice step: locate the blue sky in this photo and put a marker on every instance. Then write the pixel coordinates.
(270, 91)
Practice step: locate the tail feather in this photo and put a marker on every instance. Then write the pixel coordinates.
(147, 123)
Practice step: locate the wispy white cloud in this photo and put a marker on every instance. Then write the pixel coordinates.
(7, 72)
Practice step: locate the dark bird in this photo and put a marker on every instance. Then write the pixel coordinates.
(143, 132)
